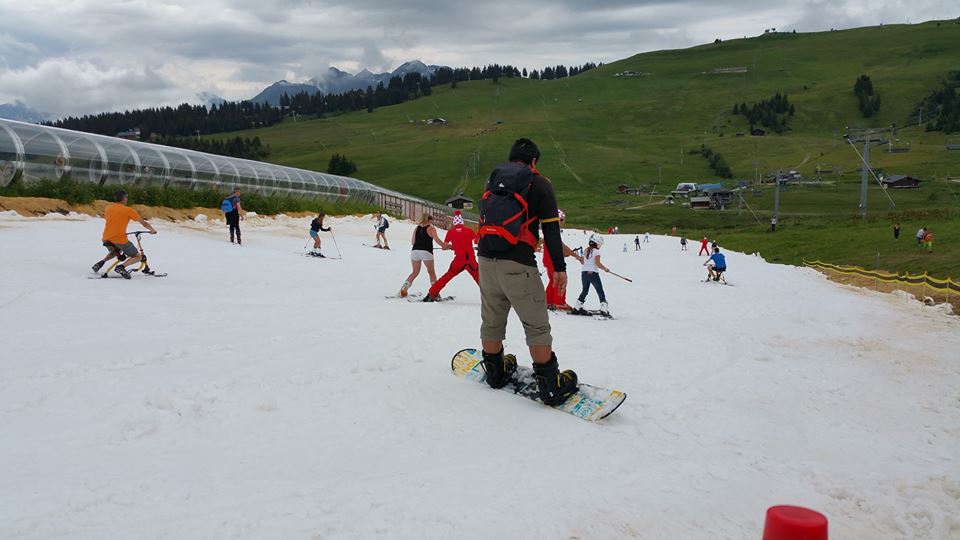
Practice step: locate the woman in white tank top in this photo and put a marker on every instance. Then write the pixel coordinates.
(590, 275)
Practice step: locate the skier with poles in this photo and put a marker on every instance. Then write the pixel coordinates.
(114, 238)
(462, 238)
(315, 227)
(590, 276)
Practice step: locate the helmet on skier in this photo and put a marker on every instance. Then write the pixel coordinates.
(596, 239)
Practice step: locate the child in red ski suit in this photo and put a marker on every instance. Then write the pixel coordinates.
(554, 299)
(462, 238)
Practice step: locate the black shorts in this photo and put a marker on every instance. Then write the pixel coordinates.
(719, 270)
(127, 249)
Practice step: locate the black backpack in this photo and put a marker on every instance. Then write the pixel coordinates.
(504, 215)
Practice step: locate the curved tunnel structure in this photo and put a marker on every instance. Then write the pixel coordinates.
(31, 153)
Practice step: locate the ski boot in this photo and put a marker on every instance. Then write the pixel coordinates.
(403, 289)
(554, 387)
(499, 368)
(431, 298)
(122, 270)
(97, 267)
(578, 309)
(604, 309)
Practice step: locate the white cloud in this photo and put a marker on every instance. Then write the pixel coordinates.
(116, 54)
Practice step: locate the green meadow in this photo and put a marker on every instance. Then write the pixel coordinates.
(598, 131)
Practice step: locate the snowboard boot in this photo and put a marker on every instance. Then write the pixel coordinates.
(403, 289)
(554, 387)
(122, 270)
(499, 368)
(97, 267)
(604, 309)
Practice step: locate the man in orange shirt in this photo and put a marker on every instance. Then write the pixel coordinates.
(115, 238)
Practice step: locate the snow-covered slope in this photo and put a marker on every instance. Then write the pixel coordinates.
(257, 393)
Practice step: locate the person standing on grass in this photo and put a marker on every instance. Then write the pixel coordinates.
(508, 271)
(928, 240)
(703, 246)
(381, 226)
(315, 227)
(896, 231)
(114, 237)
(920, 234)
(231, 212)
(462, 238)
(424, 235)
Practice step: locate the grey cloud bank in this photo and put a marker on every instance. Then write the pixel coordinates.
(88, 56)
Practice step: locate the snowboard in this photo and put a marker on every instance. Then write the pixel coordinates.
(589, 402)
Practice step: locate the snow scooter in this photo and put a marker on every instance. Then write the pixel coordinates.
(143, 267)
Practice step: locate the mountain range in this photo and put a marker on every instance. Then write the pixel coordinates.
(335, 81)
(19, 110)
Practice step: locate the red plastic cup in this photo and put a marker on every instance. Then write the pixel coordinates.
(794, 523)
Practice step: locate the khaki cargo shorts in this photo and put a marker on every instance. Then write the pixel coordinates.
(505, 284)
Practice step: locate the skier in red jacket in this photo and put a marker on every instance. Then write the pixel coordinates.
(462, 238)
(555, 300)
(703, 246)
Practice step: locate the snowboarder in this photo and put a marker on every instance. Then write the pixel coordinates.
(114, 237)
(508, 271)
(555, 299)
(231, 212)
(683, 243)
(424, 235)
(636, 243)
(716, 266)
(703, 247)
(382, 226)
(462, 238)
(315, 227)
(590, 275)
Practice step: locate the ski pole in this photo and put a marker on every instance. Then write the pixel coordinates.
(340, 255)
(619, 276)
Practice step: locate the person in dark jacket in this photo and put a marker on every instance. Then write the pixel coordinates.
(315, 227)
(233, 216)
(509, 278)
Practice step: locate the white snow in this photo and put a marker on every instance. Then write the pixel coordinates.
(257, 393)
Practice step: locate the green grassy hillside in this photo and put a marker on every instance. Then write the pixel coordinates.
(597, 131)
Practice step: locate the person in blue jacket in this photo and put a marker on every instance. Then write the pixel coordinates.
(716, 266)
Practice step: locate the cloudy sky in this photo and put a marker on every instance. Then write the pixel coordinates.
(82, 56)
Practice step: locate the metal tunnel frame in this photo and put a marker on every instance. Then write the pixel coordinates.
(30, 153)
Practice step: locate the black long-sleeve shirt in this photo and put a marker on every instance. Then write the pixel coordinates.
(542, 204)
